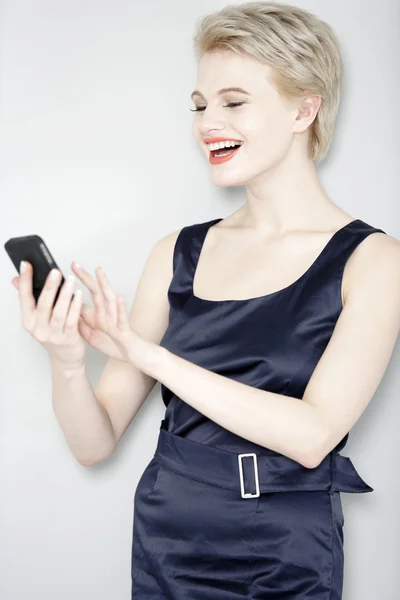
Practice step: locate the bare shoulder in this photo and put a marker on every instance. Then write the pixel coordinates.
(159, 264)
(374, 262)
(165, 245)
(168, 240)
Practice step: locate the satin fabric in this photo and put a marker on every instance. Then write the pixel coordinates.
(195, 539)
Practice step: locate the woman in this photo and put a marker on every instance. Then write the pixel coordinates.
(269, 340)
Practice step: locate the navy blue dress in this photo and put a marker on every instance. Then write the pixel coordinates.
(210, 523)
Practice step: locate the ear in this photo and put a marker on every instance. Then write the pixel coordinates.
(306, 113)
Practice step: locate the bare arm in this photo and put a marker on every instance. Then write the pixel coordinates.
(84, 421)
(342, 384)
(93, 420)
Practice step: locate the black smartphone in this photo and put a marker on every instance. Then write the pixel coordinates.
(33, 249)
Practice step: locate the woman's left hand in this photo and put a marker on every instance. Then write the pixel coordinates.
(106, 326)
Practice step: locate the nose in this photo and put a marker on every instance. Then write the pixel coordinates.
(211, 122)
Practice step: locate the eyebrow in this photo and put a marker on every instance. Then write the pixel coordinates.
(223, 91)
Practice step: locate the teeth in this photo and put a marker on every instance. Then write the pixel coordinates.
(227, 144)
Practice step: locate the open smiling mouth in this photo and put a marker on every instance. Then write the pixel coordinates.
(222, 155)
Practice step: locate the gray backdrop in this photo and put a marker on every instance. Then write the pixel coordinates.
(97, 157)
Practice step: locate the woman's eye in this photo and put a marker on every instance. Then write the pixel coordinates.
(229, 105)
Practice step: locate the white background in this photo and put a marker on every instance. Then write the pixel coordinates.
(97, 157)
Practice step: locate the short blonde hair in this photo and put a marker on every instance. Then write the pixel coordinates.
(301, 49)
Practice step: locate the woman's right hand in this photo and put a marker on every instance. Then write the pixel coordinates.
(56, 329)
(64, 332)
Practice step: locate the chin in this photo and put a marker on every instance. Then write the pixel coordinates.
(228, 180)
(228, 183)
(234, 178)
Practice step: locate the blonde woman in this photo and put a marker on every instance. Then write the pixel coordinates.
(269, 331)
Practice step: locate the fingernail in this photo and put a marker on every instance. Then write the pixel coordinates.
(77, 266)
(22, 266)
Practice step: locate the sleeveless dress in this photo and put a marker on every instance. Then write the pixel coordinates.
(197, 533)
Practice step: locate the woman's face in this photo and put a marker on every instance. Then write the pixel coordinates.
(264, 122)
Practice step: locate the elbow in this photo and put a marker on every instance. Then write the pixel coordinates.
(85, 463)
(89, 462)
(316, 451)
(311, 461)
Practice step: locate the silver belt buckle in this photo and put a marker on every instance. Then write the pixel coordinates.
(257, 493)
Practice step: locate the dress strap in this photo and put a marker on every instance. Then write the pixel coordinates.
(186, 254)
(190, 242)
(330, 262)
(329, 266)
(344, 241)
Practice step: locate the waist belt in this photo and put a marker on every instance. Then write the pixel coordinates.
(253, 474)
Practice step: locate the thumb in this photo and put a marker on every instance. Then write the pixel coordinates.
(88, 314)
(84, 329)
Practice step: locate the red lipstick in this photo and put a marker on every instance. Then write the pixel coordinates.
(216, 160)
(229, 152)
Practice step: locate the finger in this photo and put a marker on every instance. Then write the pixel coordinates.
(88, 314)
(99, 306)
(93, 286)
(84, 330)
(27, 300)
(109, 296)
(123, 321)
(62, 306)
(46, 299)
(71, 322)
(85, 277)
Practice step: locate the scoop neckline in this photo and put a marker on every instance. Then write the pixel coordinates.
(271, 294)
